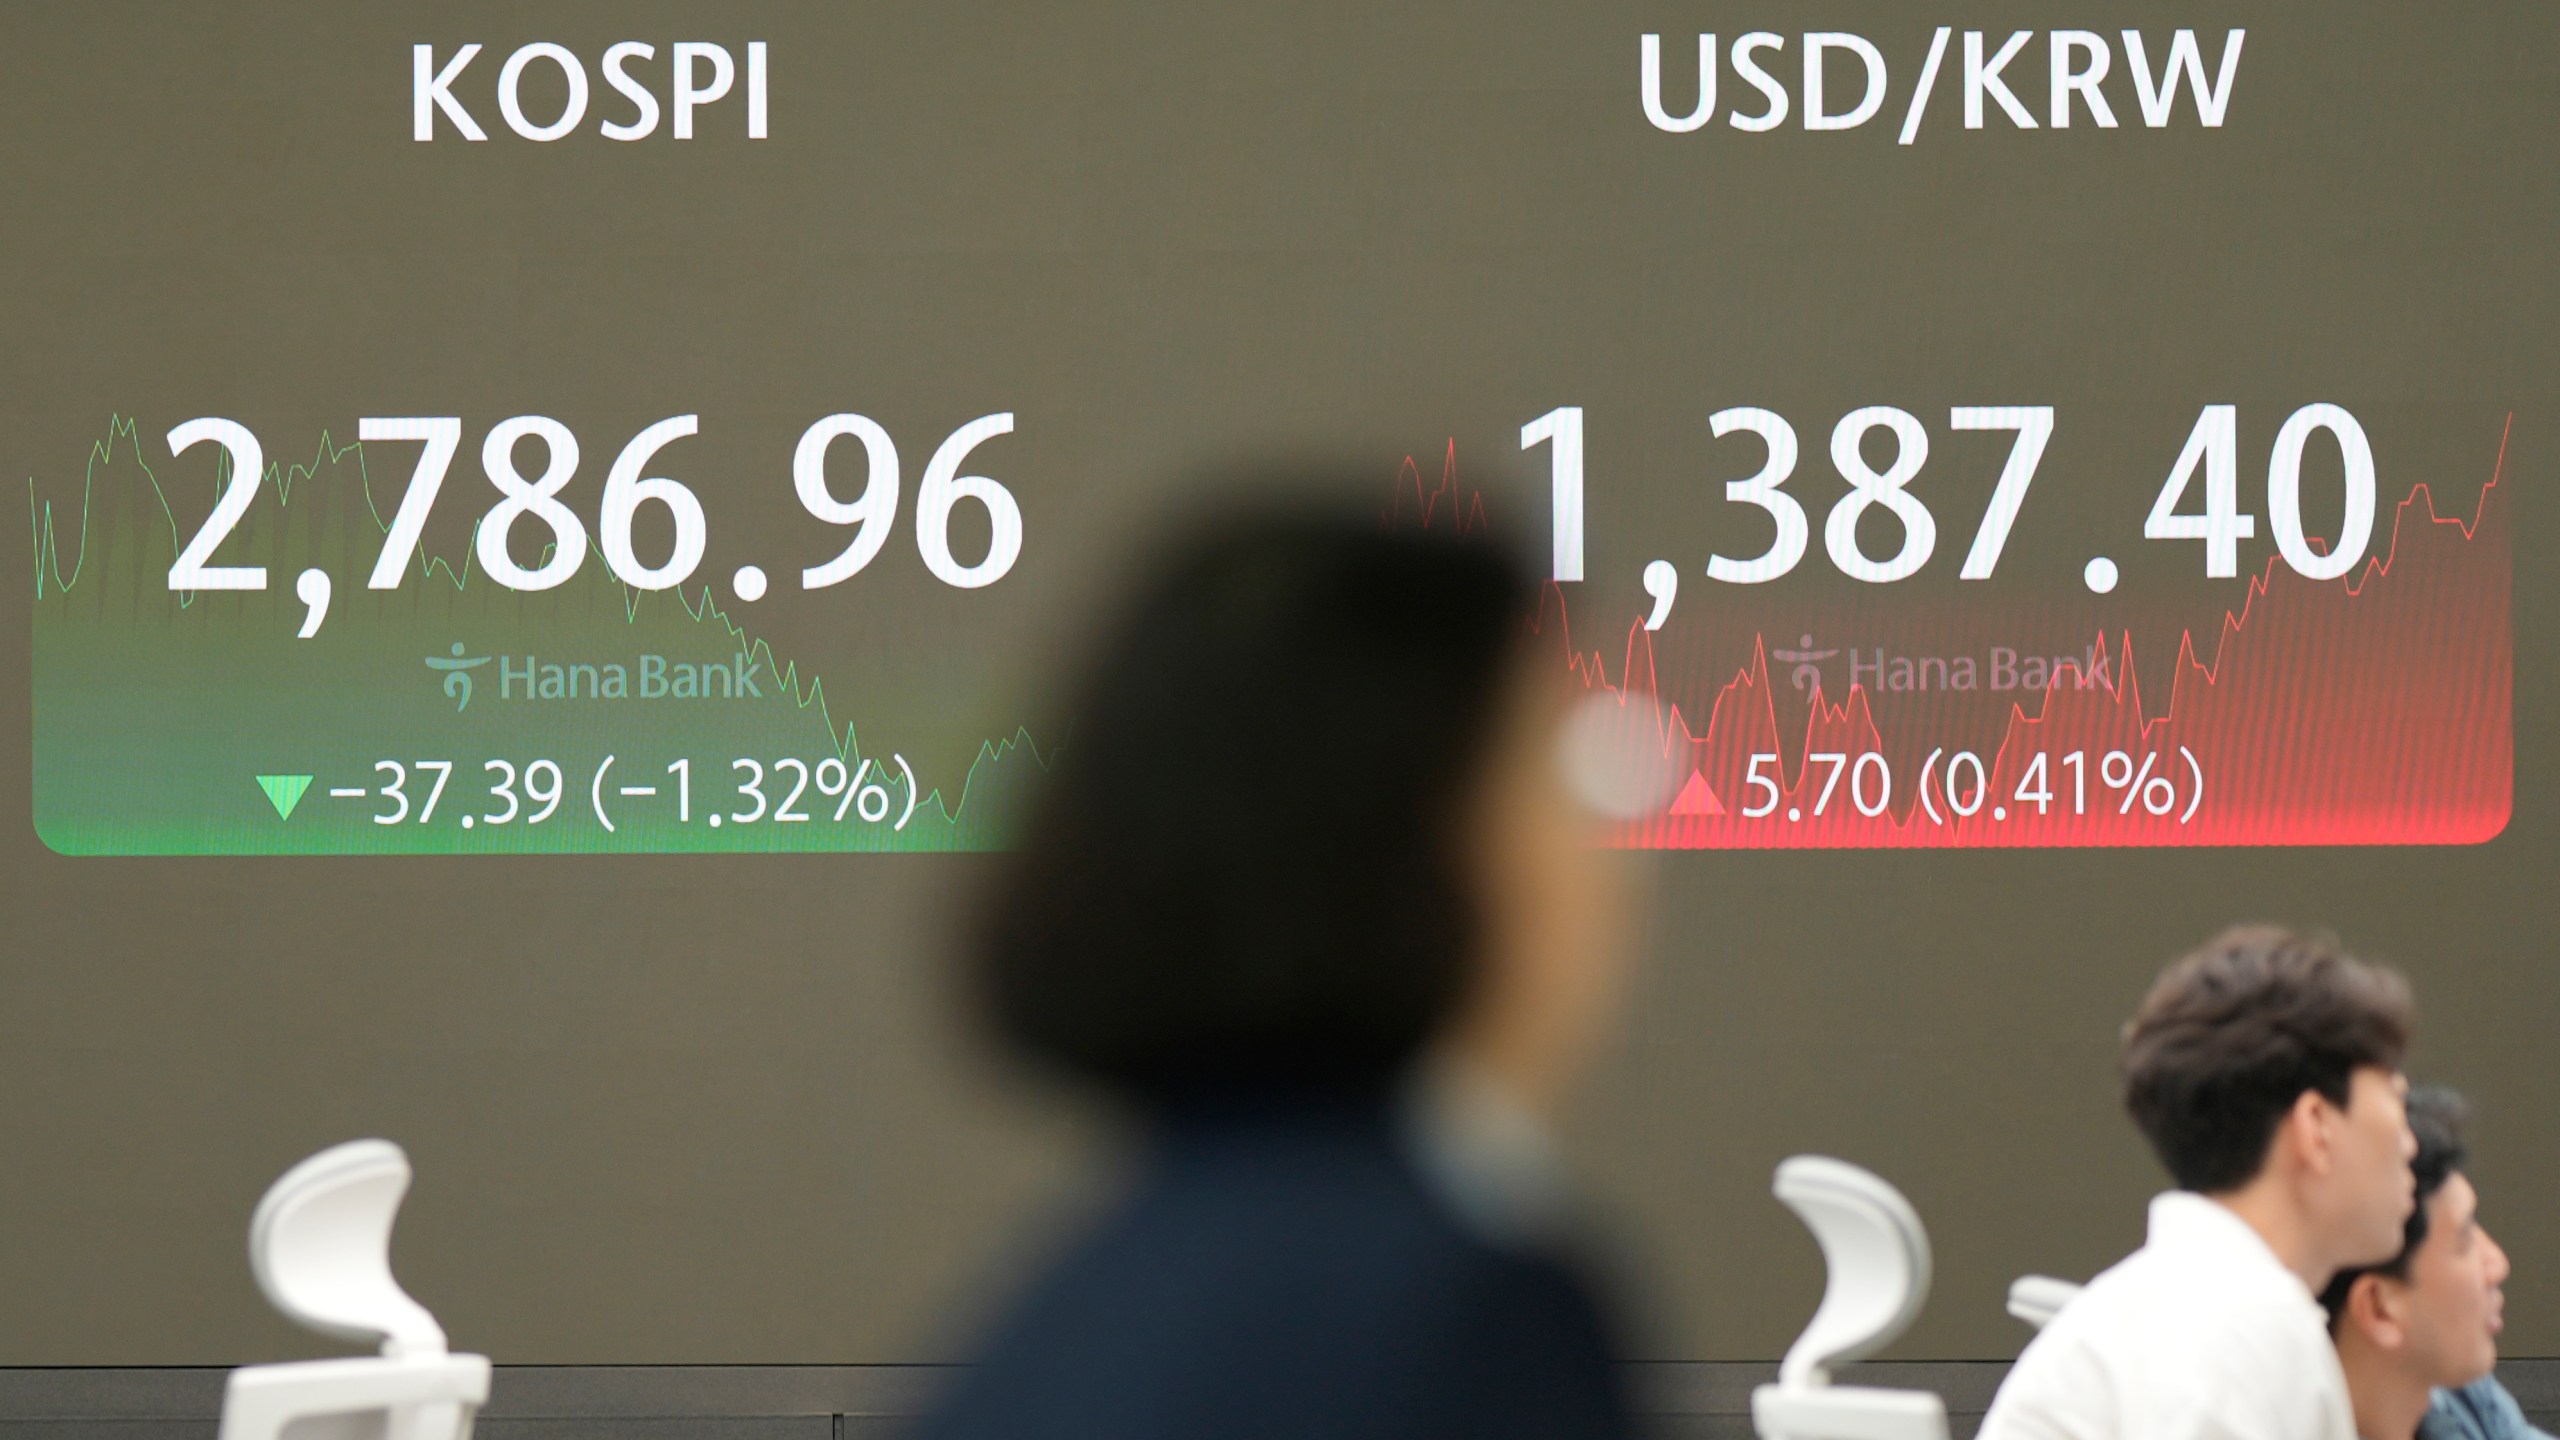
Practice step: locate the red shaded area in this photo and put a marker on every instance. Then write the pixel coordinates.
(2376, 709)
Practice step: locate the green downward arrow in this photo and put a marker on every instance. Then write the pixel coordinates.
(284, 792)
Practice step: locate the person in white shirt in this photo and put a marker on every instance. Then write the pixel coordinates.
(2264, 1069)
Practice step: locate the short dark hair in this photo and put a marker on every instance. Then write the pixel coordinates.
(2233, 1034)
(1247, 870)
(2436, 1117)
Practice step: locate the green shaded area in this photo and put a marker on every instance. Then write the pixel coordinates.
(463, 697)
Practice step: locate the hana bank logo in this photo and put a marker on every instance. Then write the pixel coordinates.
(1807, 676)
(1880, 671)
(647, 676)
(457, 674)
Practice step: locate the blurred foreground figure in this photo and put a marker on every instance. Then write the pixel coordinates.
(1308, 896)
(2265, 1071)
(2418, 1334)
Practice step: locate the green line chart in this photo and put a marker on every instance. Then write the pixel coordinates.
(442, 717)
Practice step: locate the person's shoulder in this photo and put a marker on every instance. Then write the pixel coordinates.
(2481, 1410)
(2166, 1300)
(2149, 1347)
(2059, 1389)
(1369, 1244)
(2124, 1296)
(1295, 1295)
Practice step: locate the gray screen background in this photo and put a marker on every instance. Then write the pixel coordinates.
(718, 1109)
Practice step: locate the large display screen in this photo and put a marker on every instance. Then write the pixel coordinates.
(2351, 686)
(500, 478)
(1945, 598)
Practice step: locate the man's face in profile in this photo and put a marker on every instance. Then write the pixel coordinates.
(2453, 1303)
(2372, 1147)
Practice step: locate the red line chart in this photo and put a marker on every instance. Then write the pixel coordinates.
(2373, 709)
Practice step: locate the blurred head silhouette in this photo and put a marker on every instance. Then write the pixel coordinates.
(1311, 826)
(1308, 889)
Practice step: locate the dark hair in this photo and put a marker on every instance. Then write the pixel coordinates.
(2233, 1034)
(2436, 1117)
(1245, 871)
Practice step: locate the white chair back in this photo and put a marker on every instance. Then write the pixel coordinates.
(1876, 1255)
(2036, 1299)
(320, 1247)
